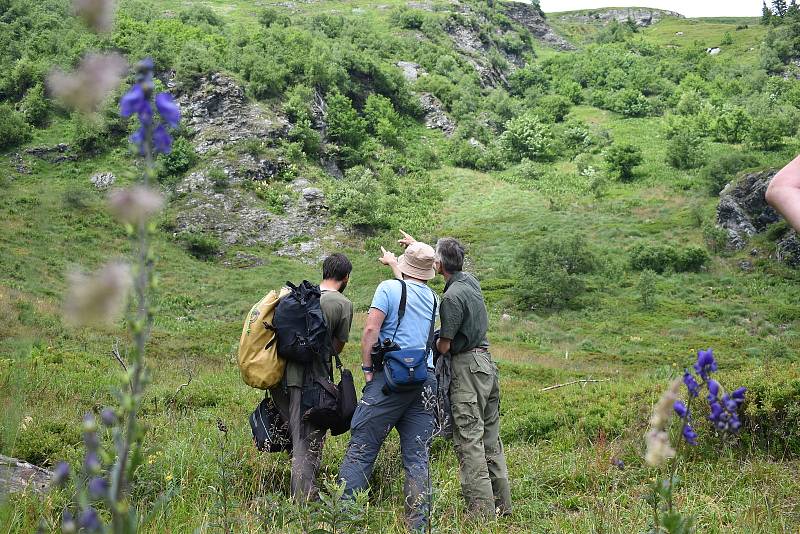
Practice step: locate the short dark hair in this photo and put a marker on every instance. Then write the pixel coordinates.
(336, 267)
(450, 254)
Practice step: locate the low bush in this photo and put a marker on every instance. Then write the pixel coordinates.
(551, 272)
(13, 129)
(724, 169)
(35, 107)
(661, 258)
(182, 157)
(553, 107)
(201, 246)
(686, 150)
(621, 159)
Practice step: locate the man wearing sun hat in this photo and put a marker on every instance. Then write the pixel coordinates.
(410, 412)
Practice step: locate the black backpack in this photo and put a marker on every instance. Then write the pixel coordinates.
(327, 405)
(300, 325)
(270, 431)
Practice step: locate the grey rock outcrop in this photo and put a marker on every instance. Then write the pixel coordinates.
(788, 249)
(533, 19)
(103, 180)
(17, 476)
(435, 116)
(743, 211)
(53, 154)
(411, 71)
(641, 16)
(218, 113)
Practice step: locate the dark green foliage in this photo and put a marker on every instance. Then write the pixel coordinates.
(195, 61)
(615, 32)
(35, 107)
(551, 270)
(553, 107)
(13, 129)
(647, 288)
(201, 15)
(631, 103)
(769, 125)
(686, 149)
(346, 128)
(527, 80)
(773, 406)
(409, 19)
(270, 16)
(724, 169)
(180, 160)
(661, 258)
(89, 134)
(201, 246)
(358, 199)
(382, 120)
(731, 124)
(621, 159)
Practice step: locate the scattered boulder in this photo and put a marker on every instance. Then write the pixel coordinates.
(218, 113)
(531, 17)
(435, 116)
(18, 476)
(103, 180)
(743, 211)
(411, 71)
(746, 265)
(53, 154)
(788, 249)
(713, 51)
(20, 165)
(679, 34)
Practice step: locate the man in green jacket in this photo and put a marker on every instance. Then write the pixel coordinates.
(474, 386)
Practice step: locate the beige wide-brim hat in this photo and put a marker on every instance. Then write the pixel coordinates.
(417, 261)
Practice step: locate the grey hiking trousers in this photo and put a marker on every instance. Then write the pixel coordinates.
(307, 443)
(412, 414)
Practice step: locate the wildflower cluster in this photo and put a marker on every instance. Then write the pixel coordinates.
(723, 407)
(139, 101)
(92, 483)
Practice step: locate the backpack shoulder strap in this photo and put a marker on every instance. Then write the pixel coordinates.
(401, 311)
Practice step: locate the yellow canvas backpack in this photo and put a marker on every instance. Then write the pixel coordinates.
(258, 355)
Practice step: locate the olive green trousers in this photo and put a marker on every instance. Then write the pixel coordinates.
(475, 400)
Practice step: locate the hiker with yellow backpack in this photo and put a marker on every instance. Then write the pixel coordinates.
(287, 346)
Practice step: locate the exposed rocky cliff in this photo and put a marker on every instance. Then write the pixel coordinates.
(642, 16)
(532, 18)
(743, 212)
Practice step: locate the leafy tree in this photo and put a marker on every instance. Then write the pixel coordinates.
(731, 124)
(631, 103)
(724, 169)
(686, 149)
(766, 14)
(621, 159)
(779, 7)
(527, 136)
(13, 129)
(35, 107)
(270, 16)
(554, 107)
(345, 127)
(382, 120)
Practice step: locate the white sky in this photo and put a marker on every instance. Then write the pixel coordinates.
(689, 8)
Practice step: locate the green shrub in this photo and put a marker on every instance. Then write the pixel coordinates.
(382, 120)
(13, 129)
(731, 124)
(270, 16)
(308, 137)
(769, 125)
(686, 150)
(219, 179)
(201, 15)
(527, 136)
(89, 134)
(554, 107)
(621, 158)
(576, 137)
(661, 258)
(631, 103)
(551, 269)
(182, 157)
(202, 247)
(359, 200)
(529, 77)
(35, 107)
(724, 169)
(346, 128)
(195, 61)
(409, 19)
(772, 409)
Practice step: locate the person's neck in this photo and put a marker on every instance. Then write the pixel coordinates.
(412, 279)
(447, 276)
(330, 285)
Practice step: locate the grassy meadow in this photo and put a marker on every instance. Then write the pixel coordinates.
(559, 443)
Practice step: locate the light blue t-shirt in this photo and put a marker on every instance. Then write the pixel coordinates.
(415, 327)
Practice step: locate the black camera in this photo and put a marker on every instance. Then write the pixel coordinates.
(379, 350)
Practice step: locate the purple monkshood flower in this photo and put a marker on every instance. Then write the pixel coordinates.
(162, 142)
(716, 412)
(680, 409)
(689, 434)
(89, 520)
(168, 109)
(132, 101)
(91, 463)
(705, 363)
(738, 395)
(98, 487)
(61, 474)
(108, 417)
(713, 390)
(68, 525)
(691, 383)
